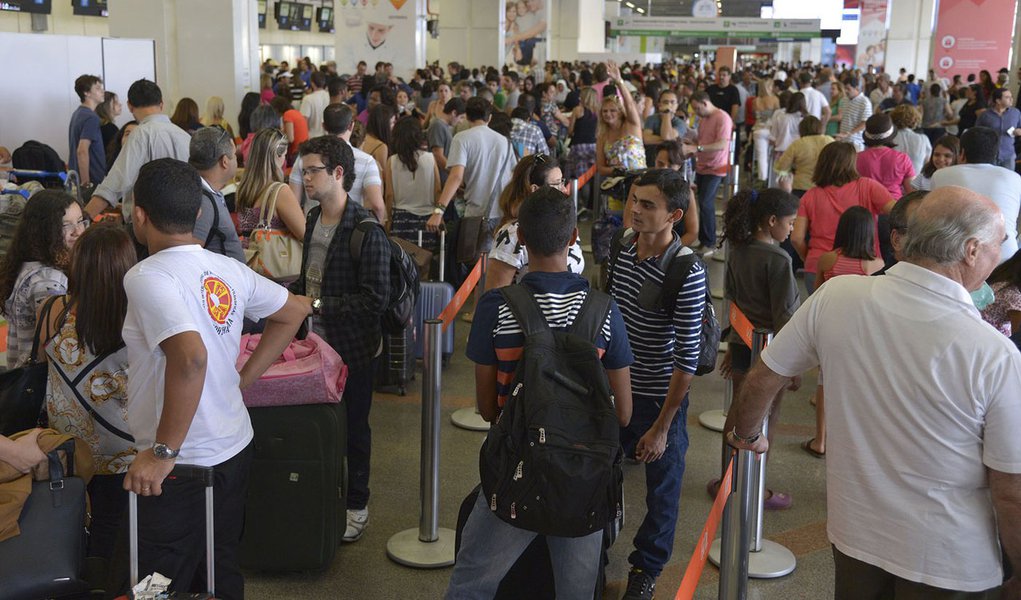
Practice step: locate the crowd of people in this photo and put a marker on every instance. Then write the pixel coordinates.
(869, 170)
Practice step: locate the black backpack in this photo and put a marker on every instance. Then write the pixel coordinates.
(404, 281)
(676, 268)
(37, 156)
(549, 464)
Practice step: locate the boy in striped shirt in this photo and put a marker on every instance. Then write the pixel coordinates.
(489, 546)
(666, 353)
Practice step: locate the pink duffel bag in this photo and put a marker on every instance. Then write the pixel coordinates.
(308, 372)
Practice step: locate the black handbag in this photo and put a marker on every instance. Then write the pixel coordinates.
(46, 559)
(23, 390)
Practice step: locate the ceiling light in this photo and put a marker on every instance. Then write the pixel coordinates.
(629, 5)
(640, 10)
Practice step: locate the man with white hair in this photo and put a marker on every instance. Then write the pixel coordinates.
(923, 463)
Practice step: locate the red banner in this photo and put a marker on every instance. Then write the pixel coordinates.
(972, 35)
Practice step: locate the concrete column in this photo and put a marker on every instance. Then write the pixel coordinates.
(909, 40)
(203, 48)
(470, 32)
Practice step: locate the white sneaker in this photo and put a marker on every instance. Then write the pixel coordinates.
(357, 521)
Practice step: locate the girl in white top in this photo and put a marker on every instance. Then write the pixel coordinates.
(412, 183)
(783, 125)
(508, 258)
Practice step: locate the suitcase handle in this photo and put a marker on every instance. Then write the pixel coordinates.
(185, 472)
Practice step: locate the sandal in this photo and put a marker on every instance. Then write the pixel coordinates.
(807, 447)
(777, 501)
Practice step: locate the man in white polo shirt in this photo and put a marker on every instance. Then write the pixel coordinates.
(977, 170)
(923, 457)
(183, 335)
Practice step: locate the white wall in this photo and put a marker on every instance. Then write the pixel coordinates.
(62, 21)
(909, 39)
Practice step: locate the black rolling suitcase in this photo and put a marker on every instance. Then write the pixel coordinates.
(297, 501)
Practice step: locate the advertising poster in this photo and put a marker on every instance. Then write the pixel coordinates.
(972, 35)
(872, 35)
(525, 30)
(376, 30)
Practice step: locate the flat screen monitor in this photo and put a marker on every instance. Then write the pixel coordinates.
(89, 8)
(283, 14)
(325, 19)
(42, 7)
(261, 4)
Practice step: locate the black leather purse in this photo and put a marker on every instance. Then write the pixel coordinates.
(23, 390)
(46, 559)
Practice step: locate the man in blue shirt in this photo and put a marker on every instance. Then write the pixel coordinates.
(657, 129)
(1005, 120)
(547, 227)
(87, 155)
(666, 349)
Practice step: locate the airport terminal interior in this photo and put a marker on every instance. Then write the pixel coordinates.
(804, 89)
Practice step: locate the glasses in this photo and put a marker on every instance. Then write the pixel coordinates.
(540, 159)
(82, 223)
(223, 133)
(312, 171)
(558, 183)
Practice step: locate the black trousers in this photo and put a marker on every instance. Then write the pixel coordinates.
(857, 580)
(172, 532)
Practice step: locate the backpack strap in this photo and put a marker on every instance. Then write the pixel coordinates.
(214, 230)
(526, 310)
(620, 238)
(358, 236)
(591, 316)
(677, 270)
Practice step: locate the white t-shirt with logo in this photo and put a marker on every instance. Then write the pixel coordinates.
(186, 288)
(507, 249)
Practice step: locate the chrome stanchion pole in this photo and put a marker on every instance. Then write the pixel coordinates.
(734, 539)
(469, 417)
(428, 546)
(574, 194)
(767, 559)
(716, 418)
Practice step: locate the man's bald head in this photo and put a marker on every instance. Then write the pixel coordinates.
(947, 221)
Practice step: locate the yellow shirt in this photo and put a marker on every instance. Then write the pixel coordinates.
(801, 157)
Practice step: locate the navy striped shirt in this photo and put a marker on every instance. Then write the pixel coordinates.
(660, 344)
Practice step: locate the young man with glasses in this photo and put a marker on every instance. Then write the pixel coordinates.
(348, 298)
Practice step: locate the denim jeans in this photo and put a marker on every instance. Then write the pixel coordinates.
(654, 540)
(358, 397)
(707, 188)
(490, 546)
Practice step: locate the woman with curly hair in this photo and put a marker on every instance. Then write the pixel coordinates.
(34, 266)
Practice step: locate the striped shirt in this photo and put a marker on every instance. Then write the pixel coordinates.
(496, 336)
(660, 344)
(854, 112)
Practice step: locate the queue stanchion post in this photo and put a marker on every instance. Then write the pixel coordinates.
(469, 417)
(574, 194)
(735, 538)
(428, 546)
(715, 419)
(766, 559)
(771, 178)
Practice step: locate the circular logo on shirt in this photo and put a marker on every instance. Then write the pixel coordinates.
(219, 300)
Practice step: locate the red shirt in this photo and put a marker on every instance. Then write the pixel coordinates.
(823, 207)
(300, 129)
(712, 129)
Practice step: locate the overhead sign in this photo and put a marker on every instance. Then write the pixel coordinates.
(728, 27)
(973, 35)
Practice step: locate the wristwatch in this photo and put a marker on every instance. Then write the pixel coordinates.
(317, 306)
(700, 148)
(164, 452)
(439, 211)
(745, 440)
